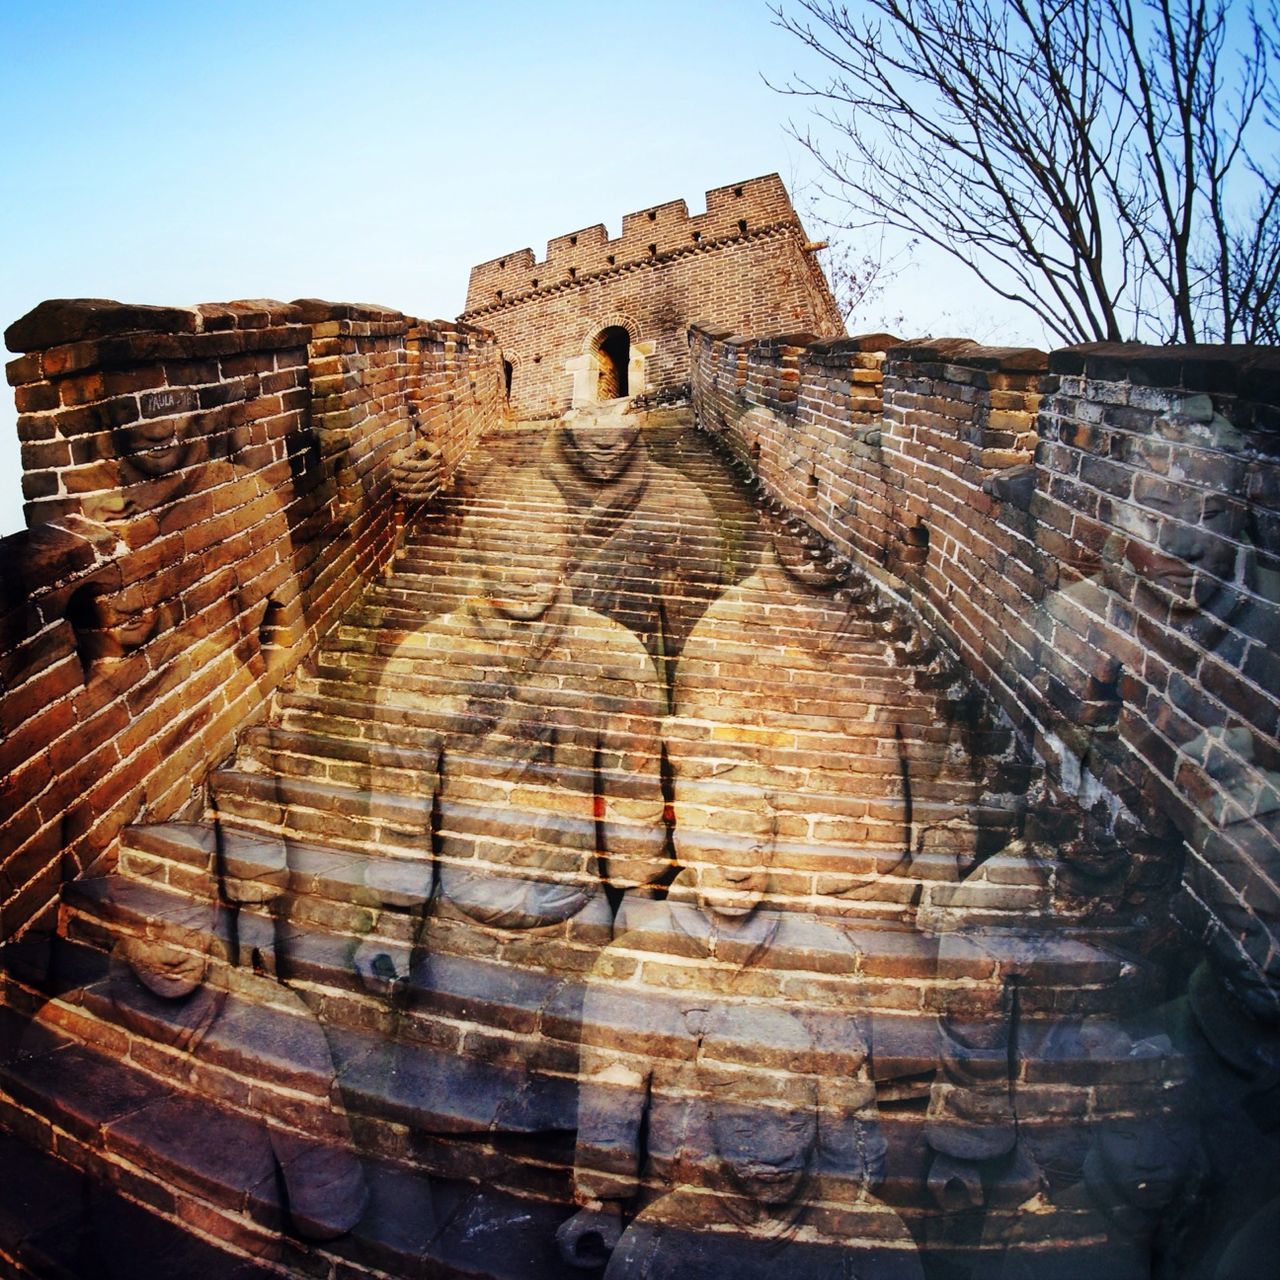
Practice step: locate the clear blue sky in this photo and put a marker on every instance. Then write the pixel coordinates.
(194, 151)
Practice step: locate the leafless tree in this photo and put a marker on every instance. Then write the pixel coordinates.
(1111, 164)
(858, 269)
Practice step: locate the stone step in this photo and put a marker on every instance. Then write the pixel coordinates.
(181, 1154)
(344, 817)
(58, 1224)
(335, 757)
(178, 855)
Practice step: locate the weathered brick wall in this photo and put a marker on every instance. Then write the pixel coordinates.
(207, 490)
(1094, 534)
(742, 265)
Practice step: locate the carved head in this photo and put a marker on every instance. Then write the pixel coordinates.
(726, 824)
(112, 622)
(158, 446)
(1194, 557)
(141, 466)
(763, 1101)
(796, 555)
(1244, 940)
(521, 544)
(725, 835)
(1141, 1157)
(169, 947)
(731, 871)
(601, 440)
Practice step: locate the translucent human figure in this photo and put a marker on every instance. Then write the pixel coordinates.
(796, 687)
(170, 984)
(648, 550)
(528, 729)
(763, 1208)
(674, 967)
(150, 478)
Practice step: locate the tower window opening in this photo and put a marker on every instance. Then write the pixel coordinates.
(612, 350)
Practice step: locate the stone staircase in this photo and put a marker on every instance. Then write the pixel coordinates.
(456, 1063)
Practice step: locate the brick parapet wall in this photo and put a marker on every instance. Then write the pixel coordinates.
(664, 273)
(1156, 462)
(1026, 508)
(207, 491)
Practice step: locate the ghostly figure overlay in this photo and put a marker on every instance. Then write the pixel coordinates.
(228, 1086)
(528, 728)
(648, 550)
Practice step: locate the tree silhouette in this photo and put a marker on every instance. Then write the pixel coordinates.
(1112, 166)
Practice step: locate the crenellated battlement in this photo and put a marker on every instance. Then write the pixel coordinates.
(732, 212)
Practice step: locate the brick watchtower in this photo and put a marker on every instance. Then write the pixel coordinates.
(600, 318)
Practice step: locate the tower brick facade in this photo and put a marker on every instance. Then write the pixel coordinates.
(569, 324)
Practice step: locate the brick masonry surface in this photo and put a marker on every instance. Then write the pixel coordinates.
(1093, 534)
(797, 830)
(742, 264)
(206, 491)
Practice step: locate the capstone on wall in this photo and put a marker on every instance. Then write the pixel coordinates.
(744, 264)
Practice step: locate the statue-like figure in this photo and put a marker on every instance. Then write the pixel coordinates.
(678, 965)
(530, 728)
(169, 986)
(648, 550)
(1119, 1181)
(1192, 559)
(796, 682)
(137, 622)
(764, 1209)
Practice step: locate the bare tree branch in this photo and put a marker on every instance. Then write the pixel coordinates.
(1110, 164)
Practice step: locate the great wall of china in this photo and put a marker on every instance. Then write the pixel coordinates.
(636, 782)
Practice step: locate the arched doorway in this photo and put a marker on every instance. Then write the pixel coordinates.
(612, 363)
(612, 350)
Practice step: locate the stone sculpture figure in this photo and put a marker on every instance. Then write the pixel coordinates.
(531, 725)
(162, 460)
(1119, 1182)
(676, 968)
(765, 1210)
(797, 685)
(139, 625)
(1036, 980)
(1229, 1232)
(1193, 548)
(263, 1065)
(648, 549)
(417, 472)
(149, 465)
(1188, 580)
